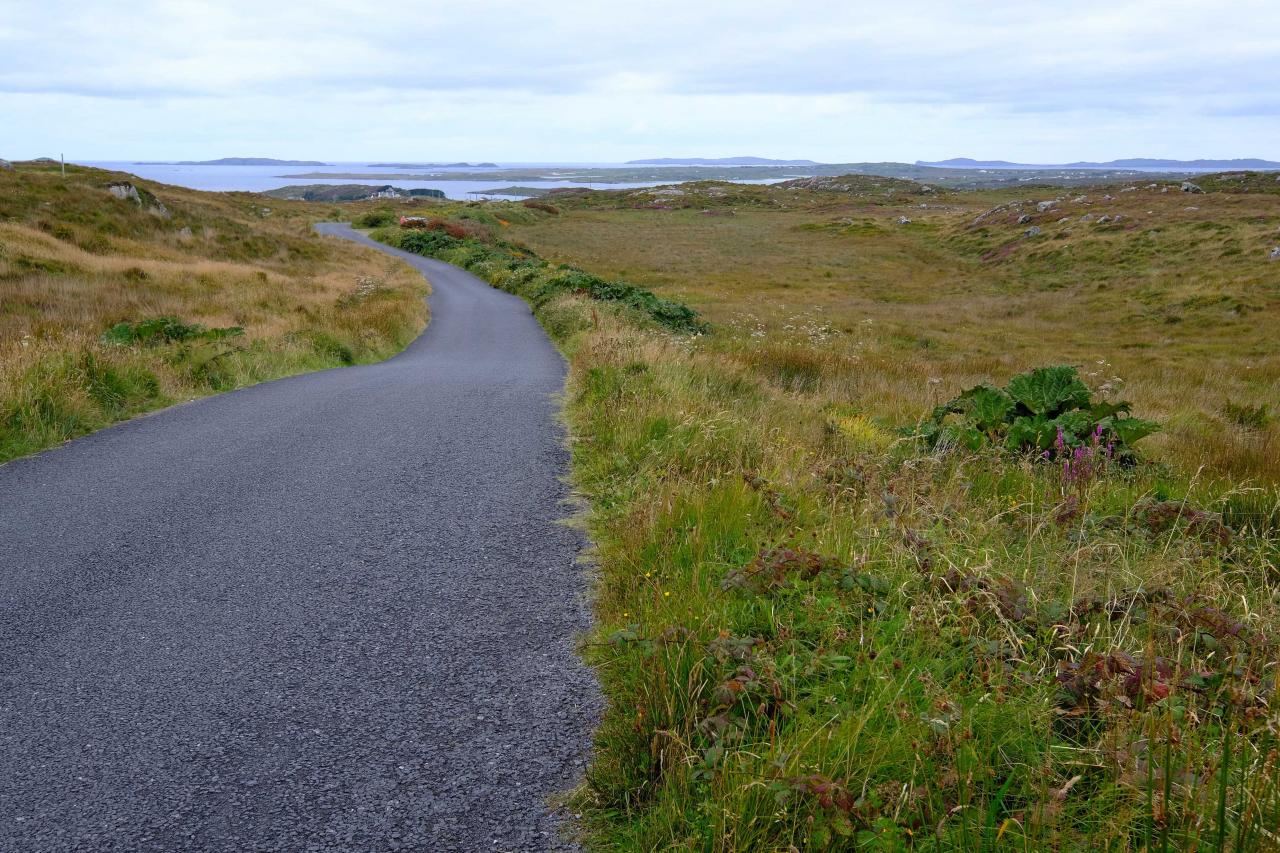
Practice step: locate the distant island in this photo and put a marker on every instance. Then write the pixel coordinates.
(347, 192)
(1141, 163)
(952, 177)
(521, 192)
(233, 161)
(433, 165)
(719, 161)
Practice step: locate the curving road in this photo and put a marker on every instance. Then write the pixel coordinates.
(332, 612)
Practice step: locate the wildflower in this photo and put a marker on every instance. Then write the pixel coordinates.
(666, 594)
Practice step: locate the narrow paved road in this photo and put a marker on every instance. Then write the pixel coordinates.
(333, 612)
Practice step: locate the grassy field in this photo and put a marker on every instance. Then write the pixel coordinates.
(817, 631)
(824, 621)
(115, 304)
(1177, 298)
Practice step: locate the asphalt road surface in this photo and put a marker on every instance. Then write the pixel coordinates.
(332, 612)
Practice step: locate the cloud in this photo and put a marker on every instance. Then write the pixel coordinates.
(1090, 78)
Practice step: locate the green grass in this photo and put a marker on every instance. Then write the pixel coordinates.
(932, 696)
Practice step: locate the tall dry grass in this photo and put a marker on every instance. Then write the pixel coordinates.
(75, 261)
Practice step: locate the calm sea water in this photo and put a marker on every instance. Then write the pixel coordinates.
(259, 178)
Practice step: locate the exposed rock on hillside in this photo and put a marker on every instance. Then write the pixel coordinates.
(6, 166)
(125, 192)
(857, 185)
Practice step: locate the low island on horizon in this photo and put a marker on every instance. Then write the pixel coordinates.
(233, 161)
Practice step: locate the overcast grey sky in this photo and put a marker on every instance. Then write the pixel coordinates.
(535, 80)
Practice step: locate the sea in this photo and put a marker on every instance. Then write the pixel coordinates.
(260, 178)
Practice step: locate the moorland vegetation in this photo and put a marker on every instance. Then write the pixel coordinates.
(951, 523)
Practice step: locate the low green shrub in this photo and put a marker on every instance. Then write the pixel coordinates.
(1047, 411)
(519, 271)
(376, 219)
(534, 204)
(164, 330)
(1246, 416)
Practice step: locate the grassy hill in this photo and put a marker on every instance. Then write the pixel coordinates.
(119, 295)
(844, 604)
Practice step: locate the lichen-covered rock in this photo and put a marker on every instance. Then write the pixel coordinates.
(125, 192)
(1034, 231)
(1188, 187)
(1275, 254)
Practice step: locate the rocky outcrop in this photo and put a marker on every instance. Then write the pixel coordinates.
(125, 192)
(996, 211)
(1188, 187)
(6, 166)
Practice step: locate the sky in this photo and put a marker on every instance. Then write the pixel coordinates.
(1028, 80)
